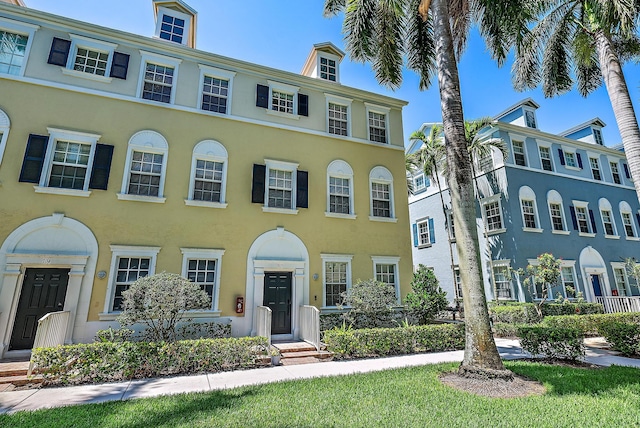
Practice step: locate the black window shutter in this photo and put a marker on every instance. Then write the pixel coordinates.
(119, 65)
(561, 154)
(101, 167)
(257, 188)
(573, 217)
(303, 105)
(34, 158)
(593, 222)
(579, 160)
(262, 96)
(302, 193)
(626, 170)
(59, 51)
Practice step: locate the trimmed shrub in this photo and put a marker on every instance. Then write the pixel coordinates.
(378, 342)
(203, 330)
(427, 298)
(111, 361)
(589, 325)
(570, 308)
(524, 313)
(114, 335)
(553, 342)
(503, 329)
(623, 336)
(357, 320)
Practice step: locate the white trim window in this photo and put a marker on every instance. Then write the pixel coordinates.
(128, 263)
(530, 118)
(173, 26)
(529, 210)
(568, 278)
(583, 220)
(424, 229)
(340, 190)
(570, 159)
(5, 125)
(492, 214)
(146, 168)
(385, 270)
(621, 278)
(336, 274)
(608, 223)
(546, 160)
(378, 123)
(215, 89)
(90, 58)
(203, 266)
(597, 136)
(328, 67)
(281, 185)
(519, 154)
(338, 115)
(208, 182)
(420, 183)
(158, 78)
(15, 43)
(503, 281)
(615, 172)
(283, 99)
(556, 213)
(627, 221)
(381, 194)
(595, 168)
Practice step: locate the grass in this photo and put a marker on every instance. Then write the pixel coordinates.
(411, 397)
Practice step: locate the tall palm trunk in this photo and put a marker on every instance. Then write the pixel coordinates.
(621, 102)
(480, 354)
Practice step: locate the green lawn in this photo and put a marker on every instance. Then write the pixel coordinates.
(411, 397)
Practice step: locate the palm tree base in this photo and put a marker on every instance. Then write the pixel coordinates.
(482, 373)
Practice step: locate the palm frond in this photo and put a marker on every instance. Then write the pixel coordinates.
(359, 29)
(389, 26)
(333, 7)
(460, 17)
(420, 44)
(557, 58)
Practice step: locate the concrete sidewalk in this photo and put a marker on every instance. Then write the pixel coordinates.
(14, 401)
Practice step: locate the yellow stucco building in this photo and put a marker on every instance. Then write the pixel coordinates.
(123, 156)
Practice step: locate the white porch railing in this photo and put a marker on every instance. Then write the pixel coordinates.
(51, 331)
(619, 303)
(263, 322)
(310, 325)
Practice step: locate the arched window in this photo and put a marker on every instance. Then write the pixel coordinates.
(381, 192)
(5, 124)
(340, 190)
(606, 213)
(146, 167)
(556, 213)
(529, 209)
(627, 221)
(208, 183)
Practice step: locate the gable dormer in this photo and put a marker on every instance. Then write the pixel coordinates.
(175, 22)
(521, 114)
(588, 132)
(323, 62)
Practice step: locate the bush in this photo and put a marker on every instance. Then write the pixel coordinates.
(358, 320)
(203, 330)
(350, 343)
(160, 302)
(623, 336)
(589, 325)
(553, 342)
(427, 299)
(570, 308)
(111, 361)
(373, 299)
(114, 335)
(502, 329)
(515, 314)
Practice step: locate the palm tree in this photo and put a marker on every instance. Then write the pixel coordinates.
(430, 158)
(431, 34)
(583, 42)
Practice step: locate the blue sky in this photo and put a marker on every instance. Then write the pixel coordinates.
(280, 33)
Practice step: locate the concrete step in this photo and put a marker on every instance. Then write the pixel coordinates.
(13, 368)
(302, 354)
(21, 380)
(301, 360)
(294, 347)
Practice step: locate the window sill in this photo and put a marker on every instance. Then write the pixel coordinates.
(532, 229)
(279, 210)
(194, 203)
(62, 191)
(108, 316)
(573, 168)
(88, 76)
(338, 215)
(140, 198)
(612, 236)
(283, 114)
(587, 235)
(561, 232)
(424, 246)
(632, 238)
(496, 231)
(383, 219)
(202, 314)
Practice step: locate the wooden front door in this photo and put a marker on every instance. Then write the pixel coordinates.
(43, 291)
(277, 296)
(595, 282)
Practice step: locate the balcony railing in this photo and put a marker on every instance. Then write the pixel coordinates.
(619, 303)
(310, 325)
(263, 322)
(51, 331)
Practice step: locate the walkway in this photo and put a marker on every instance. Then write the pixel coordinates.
(55, 397)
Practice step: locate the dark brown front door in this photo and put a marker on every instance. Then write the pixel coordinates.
(43, 291)
(277, 296)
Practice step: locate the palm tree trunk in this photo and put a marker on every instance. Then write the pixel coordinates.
(480, 355)
(621, 102)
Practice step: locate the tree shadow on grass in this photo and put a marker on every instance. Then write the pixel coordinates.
(568, 380)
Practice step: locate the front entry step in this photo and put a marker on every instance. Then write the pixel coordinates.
(301, 353)
(13, 373)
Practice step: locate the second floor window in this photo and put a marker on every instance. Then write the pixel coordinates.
(12, 52)
(214, 94)
(595, 168)
(545, 158)
(377, 127)
(518, 153)
(338, 119)
(280, 189)
(493, 217)
(628, 225)
(158, 83)
(607, 221)
(556, 216)
(381, 200)
(615, 172)
(582, 219)
(529, 214)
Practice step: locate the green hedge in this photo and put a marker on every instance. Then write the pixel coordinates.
(623, 336)
(503, 329)
(351, 343)
(589, 325)
(112, 361)
(584, 308)
(526, 313)
(383, 319)
(553, 342)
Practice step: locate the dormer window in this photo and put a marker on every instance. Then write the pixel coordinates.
(530, 118)
(328, 69)
(323, 62)
(172, 28)
(175, 22)
(597, 136)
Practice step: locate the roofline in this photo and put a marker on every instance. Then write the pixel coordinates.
(528, 100)
(595, 121)
(206, 58)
